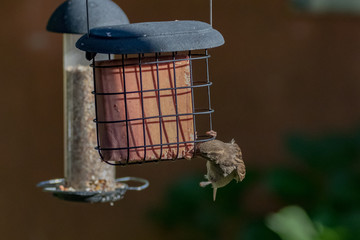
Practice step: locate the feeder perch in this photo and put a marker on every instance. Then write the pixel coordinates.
(144, 92)
(85, 174)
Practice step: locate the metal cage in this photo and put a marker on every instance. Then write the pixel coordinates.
(145, 92)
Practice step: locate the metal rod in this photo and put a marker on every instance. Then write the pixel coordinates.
(205, 139)
(96, 112)
(208, 88)
(87, 18)
(157, 90)
(160, 116)
(192, 100)
(211, 13)
(126, 113)
(142, 106)
(197, 57)
(176, 109)
(159, 103)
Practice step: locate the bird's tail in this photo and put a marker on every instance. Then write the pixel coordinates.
(214, 193)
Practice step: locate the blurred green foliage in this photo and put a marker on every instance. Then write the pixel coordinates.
(328, 6)
(287, 221)
(189, 212)
(331, 163)
(293, 223)
(323, 179)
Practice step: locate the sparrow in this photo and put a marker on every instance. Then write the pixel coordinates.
(224, 163)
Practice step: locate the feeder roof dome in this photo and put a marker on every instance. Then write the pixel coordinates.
(70, 16)
(150, 37)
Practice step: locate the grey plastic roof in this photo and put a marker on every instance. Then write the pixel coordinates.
(70, 16)
(150, 37)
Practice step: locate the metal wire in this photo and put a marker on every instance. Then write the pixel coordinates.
(142, 105)
(211, 13)
(176, 109)
(192, 98)
(192, 57)
(159, 104)
(96, 110)
(205, 139)
(196, 112)
(202, 138)
(87, 18)
(208, 90)
(156, 90)
(126, 111)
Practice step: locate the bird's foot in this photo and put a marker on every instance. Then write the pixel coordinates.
(211, 133)
(204, 184)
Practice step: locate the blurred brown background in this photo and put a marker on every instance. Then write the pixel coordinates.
(279, 71)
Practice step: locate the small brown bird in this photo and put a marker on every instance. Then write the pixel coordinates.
(224, 163)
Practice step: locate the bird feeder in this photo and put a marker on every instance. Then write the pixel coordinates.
(145, 91)
(85, 175)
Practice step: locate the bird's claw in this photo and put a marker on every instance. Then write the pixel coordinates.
(211, 133)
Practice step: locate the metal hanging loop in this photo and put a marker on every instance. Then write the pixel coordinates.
(211, 13)
(135, 179)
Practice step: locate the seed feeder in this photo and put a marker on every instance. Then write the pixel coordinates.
(145, 91)
(86, 178)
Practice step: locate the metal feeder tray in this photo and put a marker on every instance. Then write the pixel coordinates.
(52, 186)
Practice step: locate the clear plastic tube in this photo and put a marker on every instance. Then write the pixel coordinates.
(83, 168)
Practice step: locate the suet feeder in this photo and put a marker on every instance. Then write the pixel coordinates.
(87, 179)
(145, 91)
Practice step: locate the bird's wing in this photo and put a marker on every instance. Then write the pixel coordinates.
(214, 173)
(226, 165)
(233, 161)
